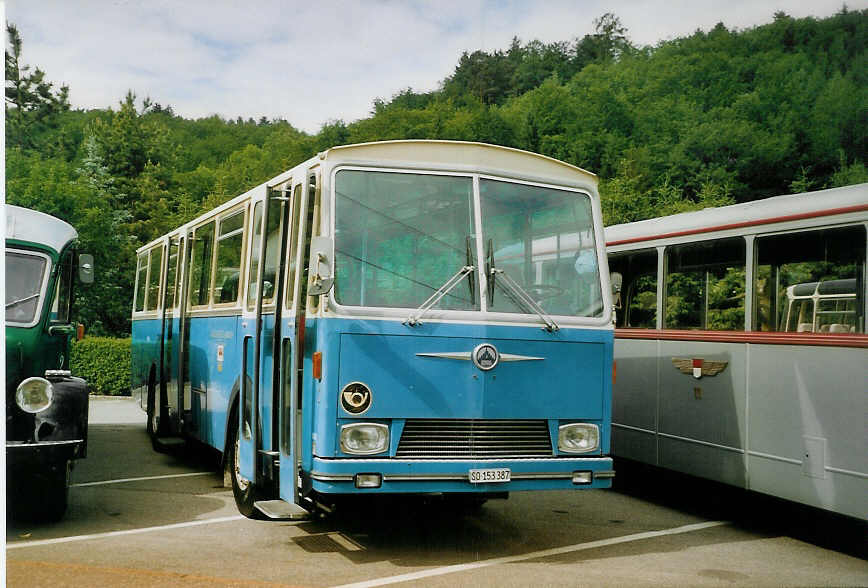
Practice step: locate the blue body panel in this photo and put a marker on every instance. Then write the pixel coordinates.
(569, 380)
(145, 355)
(565, 377)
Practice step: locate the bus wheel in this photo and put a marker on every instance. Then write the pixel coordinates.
(243, 489)
(153, 414)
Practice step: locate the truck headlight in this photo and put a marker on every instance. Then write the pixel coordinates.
(578, 437)
(364, 438)
(34, 395)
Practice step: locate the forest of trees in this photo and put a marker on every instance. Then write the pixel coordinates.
(717, 117)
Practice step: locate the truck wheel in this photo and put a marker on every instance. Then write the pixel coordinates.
(46, 498)
(57, 496)
(243, 489)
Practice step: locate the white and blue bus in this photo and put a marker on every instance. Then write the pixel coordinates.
(741, 342)
(421, 317)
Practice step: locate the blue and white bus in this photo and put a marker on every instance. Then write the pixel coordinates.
(424, 317)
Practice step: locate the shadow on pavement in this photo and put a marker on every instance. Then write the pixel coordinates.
(758, 513)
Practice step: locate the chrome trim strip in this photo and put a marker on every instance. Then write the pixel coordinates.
(499, 460)
(460, 477)
(460, 355)
(705, 443)
(775, 457)
(511, 357)
(38, 444)
(862, 475)
(330, 477)
(465, 356)
(637, 429)
(798, 462)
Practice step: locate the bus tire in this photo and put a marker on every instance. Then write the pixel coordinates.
(244, 490)
(153, 414)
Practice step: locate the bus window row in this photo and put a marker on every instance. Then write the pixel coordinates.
(809, 281)
(216, 262)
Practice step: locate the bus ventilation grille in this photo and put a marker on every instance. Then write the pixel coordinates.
(474, 439)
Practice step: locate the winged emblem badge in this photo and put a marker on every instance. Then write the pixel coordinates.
(698, 367)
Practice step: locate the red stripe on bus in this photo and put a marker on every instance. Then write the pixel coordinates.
(760, 338)
(766, 221)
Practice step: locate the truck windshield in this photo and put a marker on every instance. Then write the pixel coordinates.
(25, 275)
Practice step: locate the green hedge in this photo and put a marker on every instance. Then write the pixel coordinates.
(105, 364)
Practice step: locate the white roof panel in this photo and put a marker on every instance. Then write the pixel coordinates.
(24, 224)
(759, 212)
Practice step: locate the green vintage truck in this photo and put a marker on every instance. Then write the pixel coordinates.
(46, 408)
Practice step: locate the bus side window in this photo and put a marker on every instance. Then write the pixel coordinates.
(200, 264)
(172, 272)
(293, 244)
(253, 264)
(155, 266)
(141, 281)
(811, 281)
(229, 246)
(705, 285)
(638, 289)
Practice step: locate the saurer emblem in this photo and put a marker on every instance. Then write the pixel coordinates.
(698, 367)
(485, 356)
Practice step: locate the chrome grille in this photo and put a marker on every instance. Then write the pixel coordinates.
(474, 439)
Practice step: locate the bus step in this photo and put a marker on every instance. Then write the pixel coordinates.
(281, 510)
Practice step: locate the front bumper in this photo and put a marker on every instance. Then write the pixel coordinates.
(337, 476)
(41, 456)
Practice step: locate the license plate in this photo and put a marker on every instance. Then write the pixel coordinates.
(493, 475)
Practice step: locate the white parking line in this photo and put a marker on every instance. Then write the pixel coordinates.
(118, 533)
(123, 480)
(533, 555)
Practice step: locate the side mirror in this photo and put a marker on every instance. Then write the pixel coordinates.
(617, 280)
(322, 251)
(85, 268)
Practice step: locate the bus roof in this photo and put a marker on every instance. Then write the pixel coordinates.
(425, 154)
(459, 155)
(777, 209)
(31, 226)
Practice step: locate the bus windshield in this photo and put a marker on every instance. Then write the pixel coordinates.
(543, 239)
(401, 236)
(25, 275)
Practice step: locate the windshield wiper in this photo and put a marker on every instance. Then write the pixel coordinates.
(443, 290)
(413, 319)
(518, 294)
(20, 300)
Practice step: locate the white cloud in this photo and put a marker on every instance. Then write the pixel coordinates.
(311, 62)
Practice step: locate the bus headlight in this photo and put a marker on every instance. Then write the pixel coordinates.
(364, 438)
(578, 437)
(34, 395)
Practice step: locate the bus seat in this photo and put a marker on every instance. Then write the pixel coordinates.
(839, 328)
(229, 291)
(805, 328)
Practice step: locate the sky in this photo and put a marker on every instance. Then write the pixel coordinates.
(322, 60)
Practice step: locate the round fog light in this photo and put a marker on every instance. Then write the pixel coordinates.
(34, 395)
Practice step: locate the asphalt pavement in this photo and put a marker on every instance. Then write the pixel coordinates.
(140, 518)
